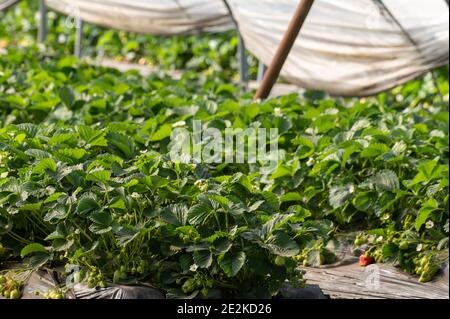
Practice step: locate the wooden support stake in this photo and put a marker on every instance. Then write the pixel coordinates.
(284, 49)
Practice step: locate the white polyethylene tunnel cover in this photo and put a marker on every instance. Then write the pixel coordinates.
(346, 47)
(159, 17)
(5, 4)
(350, 47)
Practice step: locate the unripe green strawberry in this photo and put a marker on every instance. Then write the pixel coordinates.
(423, 261)
(188, 286)
(117, 276)
(280, 261)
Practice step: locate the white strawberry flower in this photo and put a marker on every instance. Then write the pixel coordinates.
(193, 268)
(429, 224)
(311, 162)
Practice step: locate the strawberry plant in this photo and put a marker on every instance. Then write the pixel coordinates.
(86, 180)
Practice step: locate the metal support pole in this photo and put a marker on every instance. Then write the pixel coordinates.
(262, 69)
(242, 55)
(243, 63)
(296, 24)
(79, 37)
(42, 32)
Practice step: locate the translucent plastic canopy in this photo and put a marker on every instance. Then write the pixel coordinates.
(5, 4)
(351, 47)
(159, 17)
(346, 47)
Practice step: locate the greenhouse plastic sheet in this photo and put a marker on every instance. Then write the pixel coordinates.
(5, 4)
(348, 47)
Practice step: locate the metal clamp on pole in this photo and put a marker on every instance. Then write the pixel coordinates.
(42, 32)
(296, 24)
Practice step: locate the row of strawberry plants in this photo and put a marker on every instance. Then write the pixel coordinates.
(377, 166)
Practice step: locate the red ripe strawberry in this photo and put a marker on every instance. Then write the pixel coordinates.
(365, 260)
